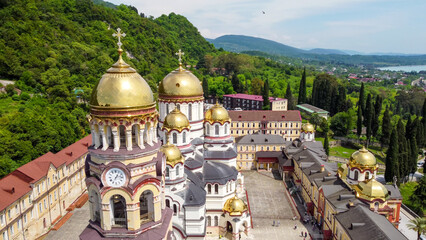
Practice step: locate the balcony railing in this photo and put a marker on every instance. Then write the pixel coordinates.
(120, 222)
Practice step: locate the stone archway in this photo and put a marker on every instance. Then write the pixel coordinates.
(146, 206)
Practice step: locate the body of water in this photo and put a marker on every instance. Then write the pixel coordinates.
(416, 68)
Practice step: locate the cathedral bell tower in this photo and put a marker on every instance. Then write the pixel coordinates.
(125, 167)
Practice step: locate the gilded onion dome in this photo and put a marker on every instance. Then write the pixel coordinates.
(371, 189)
(235, 206)
(363, 158)
(176, 120)
(173, 154)
(121, 87)
(180, 83)
(217, 113)
(308, 127)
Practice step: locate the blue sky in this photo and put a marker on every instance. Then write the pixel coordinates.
(397, 26)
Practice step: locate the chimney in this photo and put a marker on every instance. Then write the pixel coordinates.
(355, 225)
(13, 190)
(322, 168)
(69, 154)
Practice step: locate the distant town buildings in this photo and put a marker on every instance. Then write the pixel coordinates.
(36, 195)
(287, 124)
(252, 102)
(310, 109)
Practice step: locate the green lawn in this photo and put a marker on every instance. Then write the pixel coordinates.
(347, 152)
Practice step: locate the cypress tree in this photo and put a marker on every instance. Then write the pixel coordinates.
(361, 101)
(289, 97)
(367, 107)
(413, 156)
(302, 88)
(370, 115)
(206, 87)
(391, 160)
(386, 127)
(402, 149)
(326, 143)
(377, 110)
(266, 105)
(359, 122)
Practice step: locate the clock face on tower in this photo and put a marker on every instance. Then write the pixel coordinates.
(115, 177)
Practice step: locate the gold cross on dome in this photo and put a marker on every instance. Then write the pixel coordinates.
(180, 54)
(119, 35)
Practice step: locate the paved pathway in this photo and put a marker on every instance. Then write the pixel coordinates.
(73, 227)
(268, 203)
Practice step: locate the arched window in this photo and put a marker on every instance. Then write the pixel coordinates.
(226, 128)
(208, 129)
(367, 175)
(209, 221)
(216, 220)
(174, 209)
(178, 107)
(122, 132)
(167, 109)
(184, 137)
(167, 172)
(174, 138)
(376, 206)
(177, 170)
(216, 129)
(146, 206)
(118, 209)
(190, 112)
(209, 188)
(216, 189)
(356, 175)
(167, 203)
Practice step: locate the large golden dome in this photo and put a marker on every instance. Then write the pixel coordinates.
(235, 206)
(173, 154)
(217, 113)
(176, 120)
(121, 87)
(180, 83)
(307, 127)
(363, 157)
(371, 189)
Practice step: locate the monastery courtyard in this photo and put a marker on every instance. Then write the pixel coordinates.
(267, 203)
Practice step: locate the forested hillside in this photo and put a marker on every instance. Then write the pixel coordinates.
(57, 50)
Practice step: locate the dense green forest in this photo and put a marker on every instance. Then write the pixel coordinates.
(56, 51)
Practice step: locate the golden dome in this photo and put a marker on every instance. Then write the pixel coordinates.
(235, 206)
(363, 157)
(307, 127)
(217, 113)
(176, 120)
(121, 87)
(173, 154)
(180, 83)
(371, 189)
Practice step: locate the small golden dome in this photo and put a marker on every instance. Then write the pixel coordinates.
(176, 120)
(235, 206)
(217, 113)
(307, 127)
(173, 154)
(121, 87)
(180, 83)
(363, 157)
(372, 189)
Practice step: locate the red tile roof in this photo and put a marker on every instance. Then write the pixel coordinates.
(17, 184)
(266, 115)
(251, 97)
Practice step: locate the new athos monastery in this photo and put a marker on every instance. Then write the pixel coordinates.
(178, 183)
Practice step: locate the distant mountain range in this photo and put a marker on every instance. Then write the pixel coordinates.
(240, 43)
